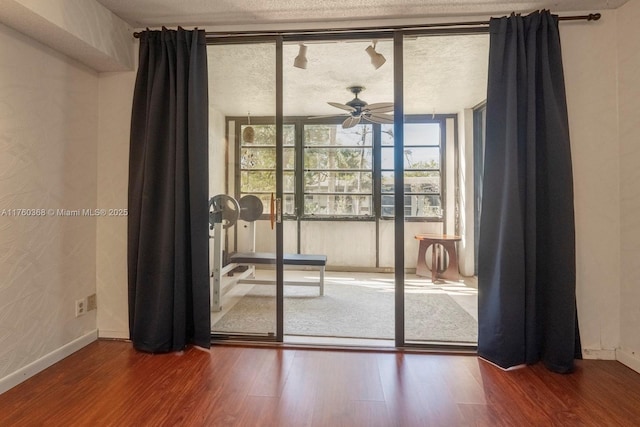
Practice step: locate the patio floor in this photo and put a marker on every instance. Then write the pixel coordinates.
(357, 309)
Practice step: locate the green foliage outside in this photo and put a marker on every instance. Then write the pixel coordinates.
(338, 178)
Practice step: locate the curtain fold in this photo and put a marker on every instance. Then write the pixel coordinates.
(168, 246)
(526, 261)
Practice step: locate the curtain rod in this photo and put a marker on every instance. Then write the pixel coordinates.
(344, 31)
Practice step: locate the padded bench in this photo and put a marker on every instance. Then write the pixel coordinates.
(253, 258)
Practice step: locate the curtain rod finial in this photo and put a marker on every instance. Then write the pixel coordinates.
(594, 17)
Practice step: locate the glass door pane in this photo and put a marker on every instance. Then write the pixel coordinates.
(243, 150)
(336, 196)
(445, 77)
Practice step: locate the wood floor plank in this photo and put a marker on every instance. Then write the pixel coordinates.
(435, 389)
(479, 415)
(347, 375)
(55, 393)
(504, 395)
(350, 393)
(259, 412)
(295, 407)
(401, 389)
(587, 393)
(108, 383)
(461, 375)
(332, 411)
(158, 393)
(272, 375)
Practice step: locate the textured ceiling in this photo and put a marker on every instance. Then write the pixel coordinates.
(141, 13)
(443, 74)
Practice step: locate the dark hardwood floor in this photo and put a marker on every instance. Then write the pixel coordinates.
(109, 383)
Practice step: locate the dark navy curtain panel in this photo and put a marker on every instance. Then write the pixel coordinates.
(526, 261)
(168, 188)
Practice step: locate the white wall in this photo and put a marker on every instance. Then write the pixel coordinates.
(589, 57)
(48, 160)
(466, 224)
(346, 243)
(387, 238)
(590, 72)
(82, 29)
(217, 150)
(115, 99)
(57, 153)
(590, 75)
(629, 128)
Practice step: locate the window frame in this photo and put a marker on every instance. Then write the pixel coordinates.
(376, 167)
(307, 216)
(441, 121)
(238, 145)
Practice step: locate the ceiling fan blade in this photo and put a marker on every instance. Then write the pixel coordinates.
(342, 106)
(327, 116)
(350, 122)
(380, 107)
(383, 119)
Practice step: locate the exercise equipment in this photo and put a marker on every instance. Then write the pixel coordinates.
(227, 210)
(250, 208)
(224, 212)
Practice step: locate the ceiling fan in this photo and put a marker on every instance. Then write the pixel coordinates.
(358, 109)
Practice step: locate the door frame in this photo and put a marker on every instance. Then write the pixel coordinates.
(397, 35)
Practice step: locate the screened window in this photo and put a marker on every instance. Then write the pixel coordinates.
(258, 164)
(345, 173)
(338, 172)
(422, 170)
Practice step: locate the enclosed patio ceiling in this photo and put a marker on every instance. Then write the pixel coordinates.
(441, 74)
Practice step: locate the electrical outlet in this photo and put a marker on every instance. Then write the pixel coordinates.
(92, 302)
(81, 307)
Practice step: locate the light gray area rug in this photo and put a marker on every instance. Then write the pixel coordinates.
(351, 311)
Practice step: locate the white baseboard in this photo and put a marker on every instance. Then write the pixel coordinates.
(599, 354)
(44, 362)
(629, 358)
(119, 335)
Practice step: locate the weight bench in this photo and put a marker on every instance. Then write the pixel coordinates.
(253, 258)
(224, 211)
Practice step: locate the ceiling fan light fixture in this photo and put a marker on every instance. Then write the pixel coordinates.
(377, 59)
(357, 110)
(301, 59)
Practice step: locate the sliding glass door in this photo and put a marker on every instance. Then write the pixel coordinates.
(245, 145)
(337, 193)
(443, 79)
(346, 160)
